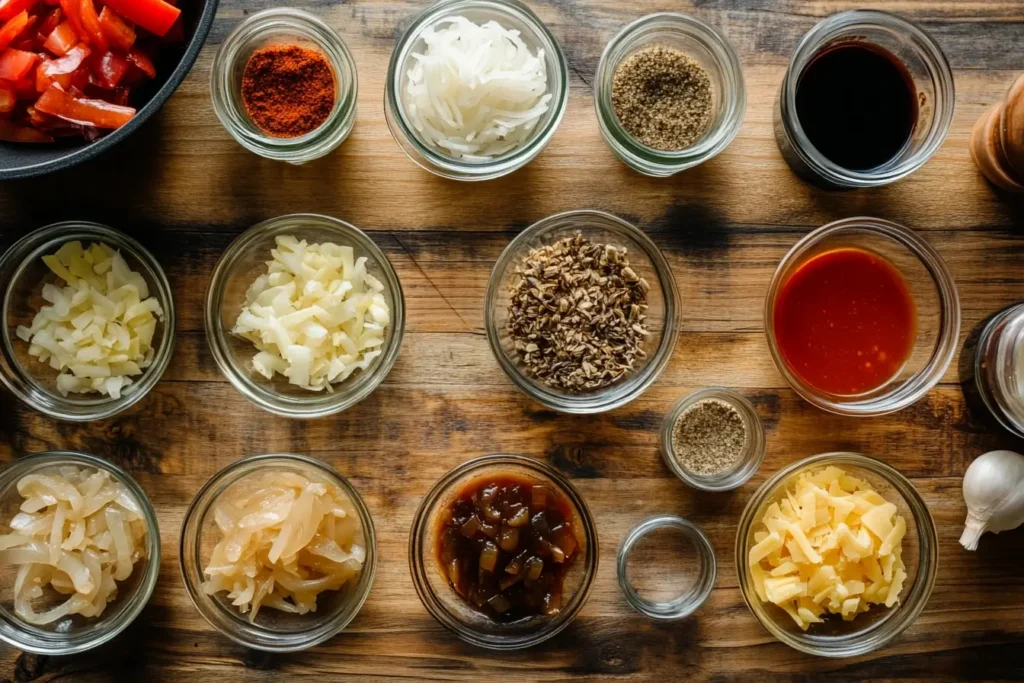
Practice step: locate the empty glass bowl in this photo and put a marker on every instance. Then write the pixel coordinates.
(662, 315)
(869, 630)
(243, 261)
(931, 287)
(512, 15)
(441, 600)
(273, 630)
(22, 276)
(76, 633)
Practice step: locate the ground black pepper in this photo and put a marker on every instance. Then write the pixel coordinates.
(709, 437)
(662, 97)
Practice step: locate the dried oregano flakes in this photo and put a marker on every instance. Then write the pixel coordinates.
(578, 315)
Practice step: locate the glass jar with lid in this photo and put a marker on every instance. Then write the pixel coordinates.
(992, 370)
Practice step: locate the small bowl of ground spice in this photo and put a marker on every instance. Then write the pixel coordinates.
(284, 85)
(713, 439)
(669, 93)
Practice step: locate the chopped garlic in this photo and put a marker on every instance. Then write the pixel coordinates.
(832, 545)
(316, 316)
(97, 331)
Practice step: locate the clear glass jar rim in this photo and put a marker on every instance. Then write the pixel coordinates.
(540, 137)
(189, 557)
(808, 47)
(948, 333)
(19, 257)
(608, 398)
(687, 602)
(53, 643)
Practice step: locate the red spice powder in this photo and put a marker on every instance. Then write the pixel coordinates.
(288, 90)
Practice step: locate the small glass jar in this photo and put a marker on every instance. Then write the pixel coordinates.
(273, 27)
(513, 15)
(74, 634)
(704, 44)
(992, 370)
(933, 82)
(666, 568)
(272, 630)
(744, 467)
(22, 276)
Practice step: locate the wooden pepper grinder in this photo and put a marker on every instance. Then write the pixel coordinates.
(997, 140)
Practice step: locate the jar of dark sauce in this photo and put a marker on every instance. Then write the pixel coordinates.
(992, 372)
(866, 100)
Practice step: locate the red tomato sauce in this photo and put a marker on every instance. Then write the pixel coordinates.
(845, 321)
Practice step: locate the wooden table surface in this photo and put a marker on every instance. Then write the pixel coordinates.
(186, 189)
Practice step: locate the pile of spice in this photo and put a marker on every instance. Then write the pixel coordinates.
(288, 90)
(662, 97)
(709, 437)
(577, 315)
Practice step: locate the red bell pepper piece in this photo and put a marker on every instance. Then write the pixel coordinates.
(73, 15)
(14, 27)
(15, 64)
(50, 21)
(91, 24)
(83, 111)
(10, 8)
(108, 70)
(142, 62)
(61, 39)
(118, 31)
(156, 16)
(8, 99)
(12, 132)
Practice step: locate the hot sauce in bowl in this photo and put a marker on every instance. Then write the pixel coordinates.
(845, 321)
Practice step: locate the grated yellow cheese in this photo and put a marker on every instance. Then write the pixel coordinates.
(831, 545)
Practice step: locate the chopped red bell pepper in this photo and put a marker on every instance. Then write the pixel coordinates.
(9, 8)
(51, 20)
(8, 99)
(83, 111)
(61, 39)
(15, 64)
(91, 24)
(142, 62)
(14, 27)
(108, 70)
(118, 31)
(12, 132)
(156, 16)
(73, 15)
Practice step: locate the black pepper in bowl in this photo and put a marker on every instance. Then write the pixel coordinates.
(663, 97)
(709, 437)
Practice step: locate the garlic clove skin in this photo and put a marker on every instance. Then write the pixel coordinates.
(993, 489)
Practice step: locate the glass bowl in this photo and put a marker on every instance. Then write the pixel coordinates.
(274, 26)
(75, 633)
(666, 568)
(239, 266)
(662, 315)
(22, 276)
(704, 44)
(743, 469)
(447, 607)
(870, 630)
(512, 15)
(273, 630)
(934, 293)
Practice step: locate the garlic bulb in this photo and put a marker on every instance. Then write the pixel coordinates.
(994, 493)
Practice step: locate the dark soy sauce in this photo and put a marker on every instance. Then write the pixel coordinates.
(857, 104)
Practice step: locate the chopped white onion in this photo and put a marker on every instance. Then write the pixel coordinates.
(285, 539)
(316, 316)
(476, 92)
(97, 331)
(75, 536)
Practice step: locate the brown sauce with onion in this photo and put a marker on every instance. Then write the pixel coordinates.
(505, 544)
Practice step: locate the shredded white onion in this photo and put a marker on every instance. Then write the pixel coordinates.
(286, 539)
(316, 316)
(476, 91)
(97, 330)
(75, 536)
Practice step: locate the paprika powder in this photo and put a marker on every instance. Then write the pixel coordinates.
(288, 90)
